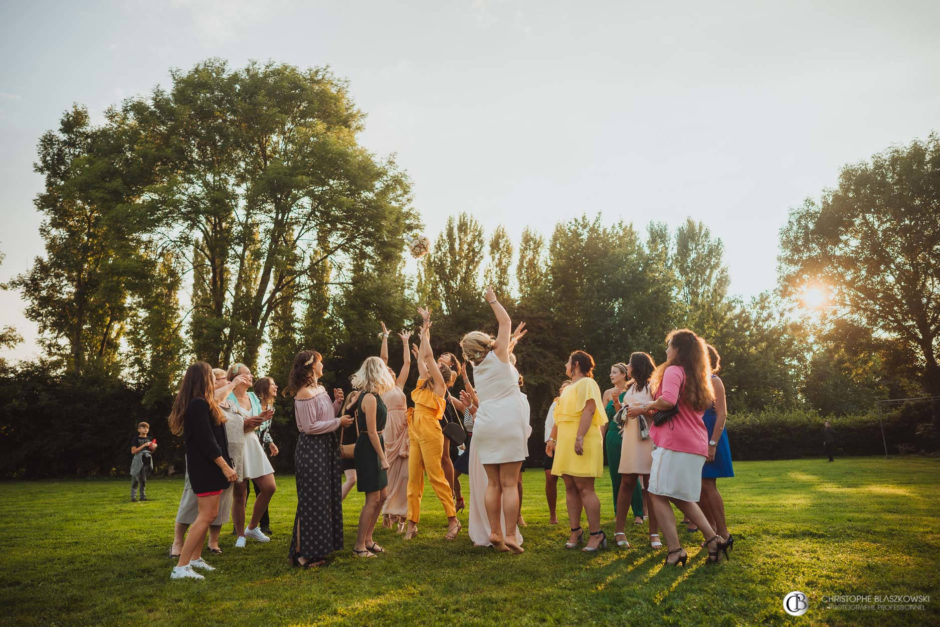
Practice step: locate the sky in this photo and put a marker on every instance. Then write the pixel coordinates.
(523, 113)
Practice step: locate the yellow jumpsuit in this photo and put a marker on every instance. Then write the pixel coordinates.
(426, 450)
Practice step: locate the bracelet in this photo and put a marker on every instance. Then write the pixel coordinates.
(492, 301)
(553, 440)
(580, 437)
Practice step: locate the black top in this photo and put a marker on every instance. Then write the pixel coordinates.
(137, 441)
(205, 441)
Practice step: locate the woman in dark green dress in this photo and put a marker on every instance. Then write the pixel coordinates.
(613, 441)
(372, 380)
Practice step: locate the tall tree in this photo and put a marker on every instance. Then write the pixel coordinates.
(500, 261)
(876, 240)
(698, 260)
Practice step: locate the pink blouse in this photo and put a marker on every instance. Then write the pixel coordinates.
(686, 432)
(316, 415)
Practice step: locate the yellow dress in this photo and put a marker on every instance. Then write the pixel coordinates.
(567, 417)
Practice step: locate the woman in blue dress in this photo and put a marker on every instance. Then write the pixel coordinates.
(718, 463)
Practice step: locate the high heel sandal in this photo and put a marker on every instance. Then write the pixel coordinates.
(680, 561)
(573, 545)
(656, 544)
(453, 531)
(715, 556)
(623, 544)
(729, 544)
(363, 553)
(401, 527)
(411, 533)
(600, 545)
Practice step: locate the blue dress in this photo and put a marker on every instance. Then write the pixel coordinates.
(722, 466)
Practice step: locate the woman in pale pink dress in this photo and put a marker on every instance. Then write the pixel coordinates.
(396, 438)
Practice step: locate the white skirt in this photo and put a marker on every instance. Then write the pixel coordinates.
(676, 475)
(255, 462)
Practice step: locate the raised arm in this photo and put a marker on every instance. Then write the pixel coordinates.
(426, 355)
(503, 336)
(383, 352)
(474, 400)
(406, 357)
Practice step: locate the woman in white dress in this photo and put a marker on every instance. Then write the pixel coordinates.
(500, 433)
(244, 401)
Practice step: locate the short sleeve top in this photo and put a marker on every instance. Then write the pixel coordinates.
(686, 432)
(575, 397)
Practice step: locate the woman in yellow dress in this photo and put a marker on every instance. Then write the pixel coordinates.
(578, 449)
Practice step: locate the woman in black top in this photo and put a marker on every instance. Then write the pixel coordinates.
(196, 416)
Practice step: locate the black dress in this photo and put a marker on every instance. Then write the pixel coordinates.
(205, 442)
(370, 476)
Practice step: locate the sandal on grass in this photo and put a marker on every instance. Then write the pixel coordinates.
(622, 543)
(375, 548)
(363, 553)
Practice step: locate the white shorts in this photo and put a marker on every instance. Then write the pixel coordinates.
(676, 475)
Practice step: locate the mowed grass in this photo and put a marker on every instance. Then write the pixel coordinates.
(77, 552)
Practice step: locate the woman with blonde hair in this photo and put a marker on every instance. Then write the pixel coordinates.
(578, 449)
(426, 437)
(371, 380)
(318, 523)
(500, 432)
(684, 389)
(197, 417)
(396, 438)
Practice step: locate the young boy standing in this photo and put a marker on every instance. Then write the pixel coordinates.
(142, 447)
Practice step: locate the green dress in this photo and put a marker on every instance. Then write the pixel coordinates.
(370, 476)
(613, 442)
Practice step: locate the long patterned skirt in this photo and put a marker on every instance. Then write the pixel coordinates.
(318, 524)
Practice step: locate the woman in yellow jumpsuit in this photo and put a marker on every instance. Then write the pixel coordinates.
(427, 439)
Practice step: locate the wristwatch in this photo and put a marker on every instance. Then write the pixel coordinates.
(712, 443)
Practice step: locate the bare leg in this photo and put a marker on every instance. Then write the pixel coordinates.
(573, 501)
(239, 499)
(382, 497)
(715, 507)
(493, 501)
(694, 513)
(511, 503)
(192, 548)
(179, 537)
(624, 496)
(458, 497)
(667, 522)
(648, 507)
(366, 520)
(214, 532)
(592, 507)
(268, 488)
(551, 495)
(521, 522)
(447, 464)
(349, 482)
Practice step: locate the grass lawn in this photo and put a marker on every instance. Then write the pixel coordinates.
(77, 552)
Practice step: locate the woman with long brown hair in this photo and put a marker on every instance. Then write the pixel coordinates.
(318, 523)
(682, 383)
(197, 417)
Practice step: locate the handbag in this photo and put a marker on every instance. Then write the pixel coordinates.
(644, 427)
(454, 431)
(663, 416)
(348, 451)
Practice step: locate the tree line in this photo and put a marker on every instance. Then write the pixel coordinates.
(235, 217)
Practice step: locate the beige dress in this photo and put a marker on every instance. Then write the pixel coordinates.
(636, 455)
(396, 445)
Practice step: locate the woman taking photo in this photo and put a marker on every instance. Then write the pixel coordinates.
(196, 416)
(371, 381)
(396, 438)
(426, 437)
(683, 384)
(318, 523)
(500, 432)
(578, 449)
(257, 467)
(636, 453)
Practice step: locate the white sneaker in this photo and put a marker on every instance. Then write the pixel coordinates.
(200, 564)
(184, 572)
(255, 534)
(240, 542)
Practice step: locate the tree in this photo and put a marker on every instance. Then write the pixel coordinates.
(8, 335)
(703, 278)
(500, 261)
(876, 240)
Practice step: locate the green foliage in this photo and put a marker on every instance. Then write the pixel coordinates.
(876, 240)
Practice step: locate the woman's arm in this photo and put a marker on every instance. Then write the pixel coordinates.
(406, 357)
(552, 440)
(369, 406)
(501, 348)
(587, 416)
(469, 386)
(427, 356)
(721, 415)
(383, 352)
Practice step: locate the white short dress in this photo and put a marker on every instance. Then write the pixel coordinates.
(254, 461)
(501, 427)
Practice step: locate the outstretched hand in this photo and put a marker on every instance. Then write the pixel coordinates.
(405, 335)
(384, 329)
(517, 335)
(489, 295)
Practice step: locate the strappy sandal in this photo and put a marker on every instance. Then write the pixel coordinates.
(308, 564)
(363, 553)
(623, 544)
(411, 533)
(172, 555)
(375, 548)
(600, 545)
(656, 544)
(453, 531)
(574, 545)
(680, 561)
(715, 556)
(216, 550)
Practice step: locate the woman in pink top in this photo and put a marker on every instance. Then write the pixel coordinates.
(318, 524)
(681, 444)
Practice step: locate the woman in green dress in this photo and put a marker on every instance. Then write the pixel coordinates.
(372, 380)
(613, 441)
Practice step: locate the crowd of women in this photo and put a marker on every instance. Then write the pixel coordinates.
(663, 434)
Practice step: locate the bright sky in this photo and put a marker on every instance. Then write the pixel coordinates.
(524, 113)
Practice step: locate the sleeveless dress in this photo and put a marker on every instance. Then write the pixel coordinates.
(722, 466)
(636, 455)
(255, 462)
(396, 443)
(612, 445)
(501, 428)
(370, 476)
